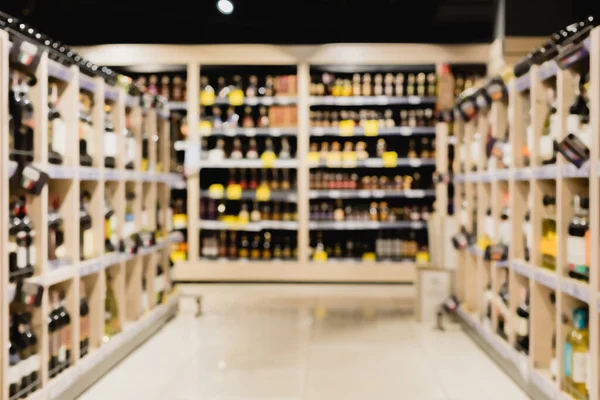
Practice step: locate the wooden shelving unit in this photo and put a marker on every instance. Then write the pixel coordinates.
(197, 60)
(68, 181)
(479, 188)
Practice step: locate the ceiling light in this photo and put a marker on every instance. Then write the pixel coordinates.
(225, 6)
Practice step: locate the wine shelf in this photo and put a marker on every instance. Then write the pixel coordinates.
(528, 208)
(250, 226)
(381, 131)
(369, 100)
(374, 163)
(251, 132)
(370, 194)
(274, 195)
(228, 164)
(365, 225)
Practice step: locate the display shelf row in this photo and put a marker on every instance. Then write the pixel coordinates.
(527, 173)
(388, 161)
(366, 225)
(376, 131)
(248, 226)
(370, 194)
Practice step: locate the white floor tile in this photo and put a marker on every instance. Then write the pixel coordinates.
(305, 342)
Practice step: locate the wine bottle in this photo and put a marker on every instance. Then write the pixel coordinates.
(84, 323)
(86, 130)
(111, 311)
(159, 284)
(57, 132)
(86, 235)
(64, 353)
(110, 139)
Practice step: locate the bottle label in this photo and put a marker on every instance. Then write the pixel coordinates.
(573, 124)
(130, 149)
(548, 244)
(488, 224)
(504, 232)
(577, 259)
(159, 283)
(22, 256)
(62, 354)
(23, 368)
(32, 255)
(546, 147)
(88, 244)
(59, 136)
(528, 231)
(35, 363)
(13, 375)
(567, 357)
(580, 367)
(89, 139)
(110, 144)
(554, 126)
(554, 368)
(522, 326)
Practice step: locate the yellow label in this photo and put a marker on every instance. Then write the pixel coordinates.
(349, 159)
(263, 193)
(320, 256)
(334, 159)
(548, 244)
(216, 191)
(234, 192)
(179, 221)
(236, 97)
(144, 165)
(422, 257)
(207, 98)
(178, 256)
(390, 159)
(314, 157)
(268, 158)
(346, 127)
(369, 256)
(371, 127)
(484, 242)
(205, 128)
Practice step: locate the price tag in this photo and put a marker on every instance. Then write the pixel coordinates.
(263, 193)
(334, 159)
(369, 256)
(371, 127)
(320, 256)
(422, 257)
(207, 98)
(390, 159)
(349, 159)
(236, 97)
(205, 128)
(234, 192)
(268, 158)
(314, 157)
(346, 127)
(216, 191)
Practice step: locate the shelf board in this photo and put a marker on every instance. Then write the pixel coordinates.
(132, 101)
(276, 271)
(87, 83)
(275, 195)
(359, 131)
(248, 132)
(578, 289)
(110, 174)
(547, 70)
(59, 71)
(545, 277)
(375, 163)
(250, 226)
(245, 163)
(178, 106)
(369, 100)
(523, 83)
(364, 225)
(111, 93)
(77, 378)
(522, 268)
(369, 194)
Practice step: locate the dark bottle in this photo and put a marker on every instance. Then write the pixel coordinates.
(267, 251)
(21, 340)
(522, 326)
(86, 236)
(110, 139)
(222, 250)
(130, 145)
(578, 249)
(232, 249)
(84, 321)
(159, 284)
(13, 374)
(22, 252)
(287, 249)
(255, 249)
(503, 293)
(110, 227)
(21, 129)
(53, 334)
(64, 354)
(55, 230)
(86, 131)
(244, 250)
(57, 132)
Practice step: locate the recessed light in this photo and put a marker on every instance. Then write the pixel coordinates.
(225, 6)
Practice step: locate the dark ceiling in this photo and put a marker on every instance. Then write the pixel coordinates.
(85, 22)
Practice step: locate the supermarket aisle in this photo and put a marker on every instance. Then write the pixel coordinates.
(299, 342)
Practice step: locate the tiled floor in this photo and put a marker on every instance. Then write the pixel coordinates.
(305, 342)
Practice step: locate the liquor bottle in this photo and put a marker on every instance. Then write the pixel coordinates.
(248, 121)
(378, 85)
(578, 248)
(111, 240)
(64, 353)
(431, 84)
(548, 240)
(232, 120)
(84, 320)
(144, 306)
(86, 131)
(522, 325)
(54, 334)
(356, 88)
(21, 126)
(410, 85)
(255, 248)
(244, 215)
(236, 152)
(285, 152)
(576, 353)
(263, 118)
(111, 311)
(252, 89)
(232, 249)
(255, 214)
(55, 230)
(252, 152)
(421, 79)
(547, 143)
(502, 309)
(412, 152)
(244, 250)
(110, 139)
(367, 89)
(57, 132)
(13, 374)
(222, 244)
(130, 144)
(269, 86)
(165, 87)
(159, 284)
(86, 234)
(267, 251)
(22, 251)
(488, 299)
(338, 213)
(527, 236)
(554, 360)
(22, 348)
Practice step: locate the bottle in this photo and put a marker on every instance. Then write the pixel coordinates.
(547, 143)
(338, 213)
(111, 311)
(54, 334)
(255, 248)
(263, 118)
(57, 132)
(64, 353)
(576, 353)
(86, 234)
(248, 121)
(144, 307)
(554, 360)
(84, 321)
(255, 214)
(252, 153)
(110, 139)
(130, 145)
(527, 236)
(13, 374)
(252, 89)
(503, 293)
(578, 240)
(522, 323)
(244, 250)
(232, 249)
(269, 86)
(159, 284)
(86, 131)
(267, 251)
(236, 152)
(548, 240)
(55, 230)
